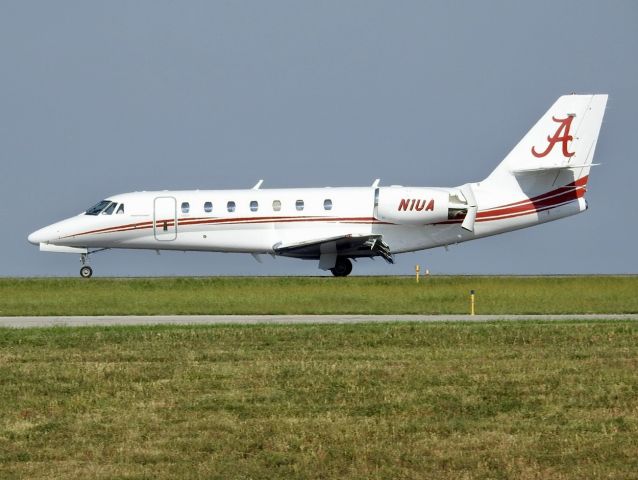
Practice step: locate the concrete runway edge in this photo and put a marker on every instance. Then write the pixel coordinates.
(79, 321)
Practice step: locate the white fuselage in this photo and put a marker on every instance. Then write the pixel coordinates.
(264, 219)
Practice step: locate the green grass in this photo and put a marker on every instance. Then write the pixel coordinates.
(496, 400)
(295, 295)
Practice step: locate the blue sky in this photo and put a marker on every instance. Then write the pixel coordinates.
(98, 98)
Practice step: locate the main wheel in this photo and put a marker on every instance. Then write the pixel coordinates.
(342, 268)
(86, 271)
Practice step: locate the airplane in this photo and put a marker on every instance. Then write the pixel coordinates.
(543, 178)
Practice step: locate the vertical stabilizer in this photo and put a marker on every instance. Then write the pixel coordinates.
(557, 151)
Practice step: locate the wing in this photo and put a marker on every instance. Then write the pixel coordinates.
(344, 246)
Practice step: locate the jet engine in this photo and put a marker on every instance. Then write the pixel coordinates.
(418, 206)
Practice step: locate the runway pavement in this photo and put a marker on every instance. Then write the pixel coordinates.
(30, 322)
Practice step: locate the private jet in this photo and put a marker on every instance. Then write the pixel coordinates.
(544, 178)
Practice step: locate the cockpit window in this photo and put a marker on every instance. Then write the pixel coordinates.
(120, 209)
(96, 209)
(109, 210)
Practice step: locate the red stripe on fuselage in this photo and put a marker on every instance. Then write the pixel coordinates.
(552, 199)
(533, 205)
(230, 221)
(581, 182)
(546, 201)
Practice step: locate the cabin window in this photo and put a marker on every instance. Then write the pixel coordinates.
(299, 205)
(230, 206)
(276, 205)
(186, 207)
(254, 206)
(208, 207)
(96, 209)
(120, 209)
(327, 204)
(109, 210)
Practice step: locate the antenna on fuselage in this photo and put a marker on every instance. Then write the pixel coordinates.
(375, 184)
(258, 184)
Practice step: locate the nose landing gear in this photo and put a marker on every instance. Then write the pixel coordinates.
(86, 271)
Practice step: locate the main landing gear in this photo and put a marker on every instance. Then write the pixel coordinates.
(342, 268)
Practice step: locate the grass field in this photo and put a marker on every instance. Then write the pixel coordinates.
(299, 295)
(497, 400)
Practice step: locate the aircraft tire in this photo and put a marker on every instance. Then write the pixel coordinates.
(86, 271)
(342, 268)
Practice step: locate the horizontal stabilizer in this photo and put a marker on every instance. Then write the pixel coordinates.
(552, 168)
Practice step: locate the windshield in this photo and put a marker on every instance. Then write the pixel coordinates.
(109, 210)
(96, 209)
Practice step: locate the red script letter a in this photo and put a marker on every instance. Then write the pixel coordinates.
(562, 135)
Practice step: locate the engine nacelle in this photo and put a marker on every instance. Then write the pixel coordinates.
(414, 205)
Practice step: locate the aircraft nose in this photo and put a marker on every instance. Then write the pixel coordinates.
(36, 237)
(41, 236)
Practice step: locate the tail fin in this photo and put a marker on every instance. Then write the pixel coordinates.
(557, 150)
(547, 169)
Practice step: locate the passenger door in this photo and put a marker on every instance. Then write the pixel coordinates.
(165, 219)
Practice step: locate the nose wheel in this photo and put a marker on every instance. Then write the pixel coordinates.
(86, 271)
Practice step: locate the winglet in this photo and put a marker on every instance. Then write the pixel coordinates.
(258, 184)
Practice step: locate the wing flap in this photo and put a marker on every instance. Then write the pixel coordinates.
(344, 245)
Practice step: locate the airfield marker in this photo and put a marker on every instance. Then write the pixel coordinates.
(471, 302)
